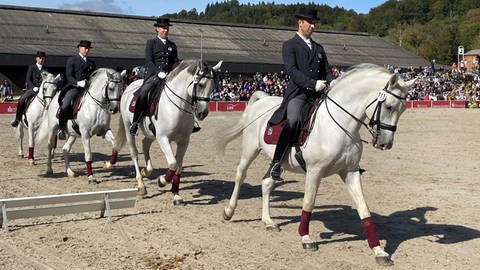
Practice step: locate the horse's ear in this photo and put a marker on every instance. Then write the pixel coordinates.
(44, 75)
(393, 80)
(58, 77)
(217, 66)
(411, 83)
(123, 73)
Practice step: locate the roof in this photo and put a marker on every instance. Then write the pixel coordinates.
(24, 31)
(473, 52)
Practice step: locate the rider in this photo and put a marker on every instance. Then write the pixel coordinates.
(306, 63)
(78, 69)
(161, 57)
(33, 79)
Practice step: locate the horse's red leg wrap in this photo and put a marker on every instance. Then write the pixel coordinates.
(89, 168)
(30, 153)
(169, 175)
(113, 158)
(175, 183)
(370, 233)
(304, 222)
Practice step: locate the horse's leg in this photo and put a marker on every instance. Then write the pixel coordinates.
(249, 153)
(31, 144)
(88, 158)
(66, 151)
(109, 137)
(181, 150)
(312, 181)
(172, 165)
(142, 190)
(353, 182)
(51, 144)
(19, 131)
(146, 144)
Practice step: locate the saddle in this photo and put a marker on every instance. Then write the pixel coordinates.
(74, 108)
(153, 98)
(272, 132)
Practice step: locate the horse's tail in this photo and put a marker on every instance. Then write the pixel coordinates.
(226, 135)
(121, 137)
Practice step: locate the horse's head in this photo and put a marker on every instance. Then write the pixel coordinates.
(198, 79)
(48, 87)
(390, 104)
(114, 89)
(106, 88)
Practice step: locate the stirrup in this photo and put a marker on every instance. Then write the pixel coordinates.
(15, 123)
(61, 135)
(275, 171)
(134, 128)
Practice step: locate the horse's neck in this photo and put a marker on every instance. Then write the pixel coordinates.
(176, 95)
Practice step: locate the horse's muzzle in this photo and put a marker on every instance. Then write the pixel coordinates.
(201, 115)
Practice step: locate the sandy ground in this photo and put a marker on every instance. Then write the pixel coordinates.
(423, 195)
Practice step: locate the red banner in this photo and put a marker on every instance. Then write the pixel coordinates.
(441, 103)
(458, 104)
(8, 108)
(230, 106)
(421, 104)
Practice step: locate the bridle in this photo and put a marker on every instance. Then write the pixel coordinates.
(375, 119)
(42, 86)
(107, 100)
(199, 75)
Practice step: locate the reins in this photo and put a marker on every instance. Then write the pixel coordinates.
(374, 120)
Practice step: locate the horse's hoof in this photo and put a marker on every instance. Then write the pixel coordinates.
(161, 181)
(311, 246)
(178, 202)
(107, 166)
(384, 260)
(227, 216)
(272, 228)
(20, 155)
(145, 173)
(31, 162)
(92, 180)
(142, 191)
(71, 174)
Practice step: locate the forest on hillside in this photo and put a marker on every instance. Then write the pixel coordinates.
(432, 29)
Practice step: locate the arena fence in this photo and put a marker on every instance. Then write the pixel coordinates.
(231, 106)
(52, 205)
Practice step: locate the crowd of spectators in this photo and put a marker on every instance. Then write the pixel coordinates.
(432, 84)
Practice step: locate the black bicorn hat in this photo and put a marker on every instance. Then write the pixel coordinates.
(41, 54)
(162, 22)
(307, 14)
(85, 43)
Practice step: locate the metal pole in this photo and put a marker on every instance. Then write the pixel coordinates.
(201, 45)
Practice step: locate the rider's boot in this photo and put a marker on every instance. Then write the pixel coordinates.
(18, 113)
(137, 115)
(275, 169)
(62, 124)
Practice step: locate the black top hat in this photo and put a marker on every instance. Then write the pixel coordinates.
(41, 54)
(162, 22)
(307, 14)
(85, 43)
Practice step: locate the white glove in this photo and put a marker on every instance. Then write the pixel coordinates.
(320, 85)
(162, 75)
(35, 89)
(81, 83)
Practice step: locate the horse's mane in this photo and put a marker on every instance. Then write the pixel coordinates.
(189, 64)
(364, 67)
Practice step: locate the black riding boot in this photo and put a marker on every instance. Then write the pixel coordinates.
(62, 124)
(275, 169)
(19, 112)
(137, 116)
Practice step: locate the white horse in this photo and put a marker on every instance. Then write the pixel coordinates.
(99, 102)
(33, 115)
(186, 94)
(334, 145)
